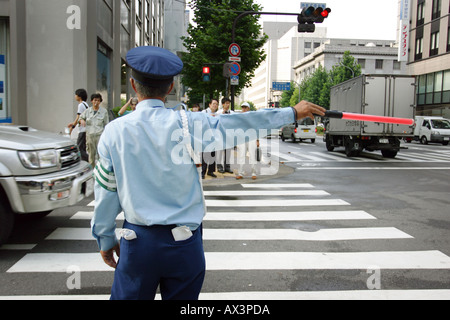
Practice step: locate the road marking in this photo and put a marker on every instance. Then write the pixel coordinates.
(288, 216)
(273, 296)
(88, 215)
(326, 260)
(275, 203)
(373, 168)
(276, 186)
(336, 234)
(244, 193)
(92, 262)
(264, 216)
(293, 234)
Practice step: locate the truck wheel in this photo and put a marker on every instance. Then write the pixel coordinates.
(328, 143)
(424, 140)
(6, 222)
(389, 153)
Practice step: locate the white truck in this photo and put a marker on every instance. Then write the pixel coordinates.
(432, 129)
(39, 172)
(380, 95)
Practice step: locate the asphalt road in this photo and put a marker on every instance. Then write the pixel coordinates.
(324, 227)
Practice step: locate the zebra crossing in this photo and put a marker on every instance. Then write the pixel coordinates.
(304, 156)
(269, 214)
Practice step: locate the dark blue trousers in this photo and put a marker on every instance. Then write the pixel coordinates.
(155, 258)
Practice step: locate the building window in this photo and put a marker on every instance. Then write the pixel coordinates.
(105, 15)
(434, 45)
(379, 64)
(420, 13)
(448, 40)
(362, 63)
(433, 88)
(5, 112)
(436, 9)
(446, 87)
(419, 48)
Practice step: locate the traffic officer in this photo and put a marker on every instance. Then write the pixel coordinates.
(143, 172)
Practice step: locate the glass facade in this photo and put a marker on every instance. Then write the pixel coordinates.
(433, 88)
(5, 112)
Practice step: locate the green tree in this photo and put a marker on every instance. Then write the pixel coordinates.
(287, 95)
(316, 88)
(209, 39)
(346, 70)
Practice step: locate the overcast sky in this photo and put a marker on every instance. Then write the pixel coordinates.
(357, 19)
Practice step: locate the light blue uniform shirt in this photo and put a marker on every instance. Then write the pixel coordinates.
(143, 171)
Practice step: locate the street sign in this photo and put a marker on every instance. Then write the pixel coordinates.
(314, 5)
(235, 69)
(234, 80)
(281, 86)
(234, 59)
(234, 50)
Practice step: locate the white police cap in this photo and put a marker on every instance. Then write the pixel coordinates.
(153, 66)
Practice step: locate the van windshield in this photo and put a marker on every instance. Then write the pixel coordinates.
(440, 124)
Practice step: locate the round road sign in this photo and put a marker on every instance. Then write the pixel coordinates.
(234, 50)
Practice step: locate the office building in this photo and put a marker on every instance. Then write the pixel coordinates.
(50, 48)
(429, 54)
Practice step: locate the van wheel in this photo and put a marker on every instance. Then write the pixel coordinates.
(424, 140)
(282, 137)
(293, 138)
(6, 222)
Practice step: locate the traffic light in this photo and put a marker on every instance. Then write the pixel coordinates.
(309, 16)
(206, 74)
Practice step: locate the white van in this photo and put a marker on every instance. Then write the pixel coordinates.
(432, 129)
(301, 130)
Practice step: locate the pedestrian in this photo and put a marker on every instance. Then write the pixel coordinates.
(80, 97)
(223, 157)
(94, 120)
(132, 103)
(251, 147)
(196, 108)
(161, 197)
(209, 158)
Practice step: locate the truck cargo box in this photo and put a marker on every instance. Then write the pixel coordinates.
(390, 96)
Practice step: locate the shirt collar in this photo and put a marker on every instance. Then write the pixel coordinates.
(150, 103)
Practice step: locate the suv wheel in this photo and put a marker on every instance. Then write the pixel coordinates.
(6, 222)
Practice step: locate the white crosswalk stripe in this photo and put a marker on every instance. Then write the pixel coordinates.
(314, 156)
(284, 223)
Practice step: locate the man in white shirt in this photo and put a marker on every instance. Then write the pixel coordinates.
(223, 156)
(81, 97)
(209, 158)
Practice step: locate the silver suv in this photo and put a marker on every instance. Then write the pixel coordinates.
(39, 172)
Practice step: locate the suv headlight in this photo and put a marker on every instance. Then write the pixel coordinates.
(38, 159)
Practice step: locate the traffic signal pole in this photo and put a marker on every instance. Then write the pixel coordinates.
(233, 35)
(300, 17)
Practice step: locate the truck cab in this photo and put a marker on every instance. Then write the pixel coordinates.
(432, 129)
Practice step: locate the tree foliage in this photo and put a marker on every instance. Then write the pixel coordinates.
(208, 43)
(316, 88)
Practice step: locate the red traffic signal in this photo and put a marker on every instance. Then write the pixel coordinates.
(206, 74)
